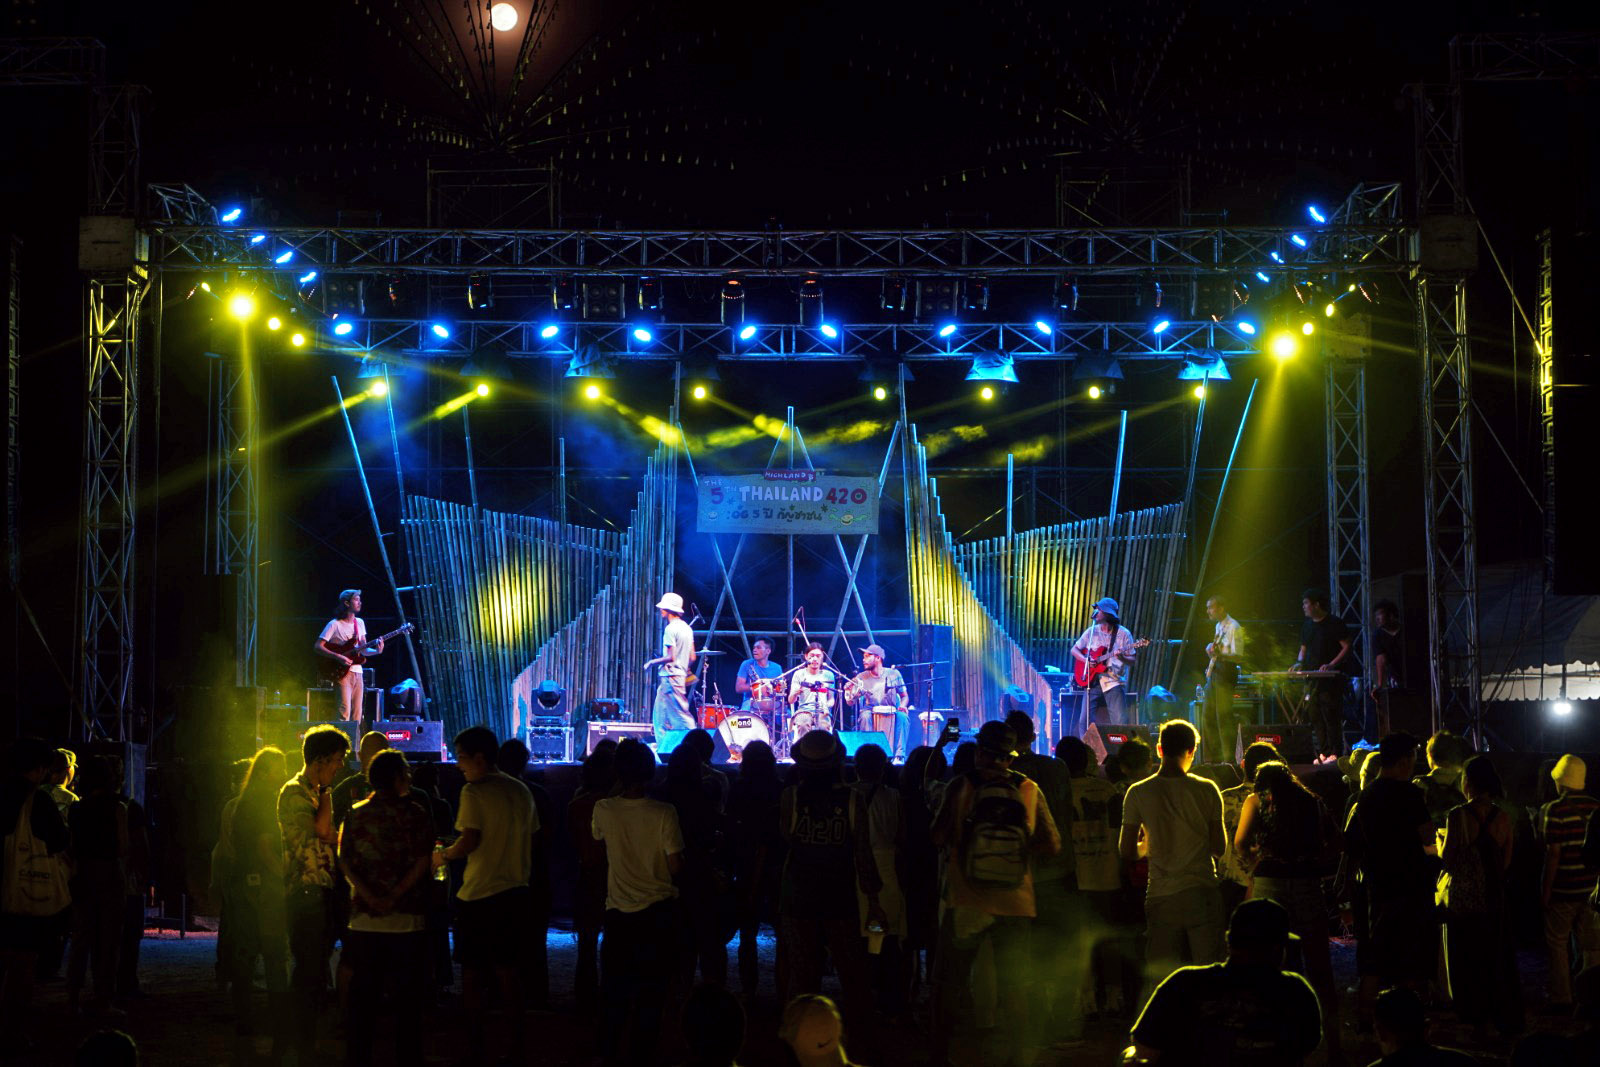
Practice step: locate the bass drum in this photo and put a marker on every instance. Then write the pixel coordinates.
(738, 730)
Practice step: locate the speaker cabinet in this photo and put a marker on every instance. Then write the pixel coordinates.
(420, 737)
(854, 739)
(616, 731)
(1292, 739)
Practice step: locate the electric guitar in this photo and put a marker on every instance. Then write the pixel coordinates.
(1084, 672)
(331, 670)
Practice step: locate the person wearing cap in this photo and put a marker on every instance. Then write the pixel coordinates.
(880, 686)
(347, 630)
(975, 913)
(1568, 880)
(1244, 1011)
(1180, 817)
(1324, 646)
(671, 708)
(1106, 641)
(826, 828)
(1389, 838)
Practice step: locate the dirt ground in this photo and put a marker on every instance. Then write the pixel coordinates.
(184, 1019)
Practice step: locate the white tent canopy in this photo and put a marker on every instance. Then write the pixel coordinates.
(1530, 640)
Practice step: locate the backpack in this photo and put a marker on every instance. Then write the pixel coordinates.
(994, 837)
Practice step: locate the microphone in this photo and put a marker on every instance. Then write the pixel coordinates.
(697, 616)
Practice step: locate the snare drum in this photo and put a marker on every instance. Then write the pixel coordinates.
(738, 730)
(803, 722)
(712, 715)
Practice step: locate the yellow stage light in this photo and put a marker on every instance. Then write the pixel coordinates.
(1283, 345)
(880, 393)
(699, 392)
(987, 392)
(1308, 327)
(1329, 311)
(241, 306)
(1094, 392)
(592, 392)
(1199, 392)
(205, 286)
(378, 388)
(482, 389)
(297, 339)
(274, 323)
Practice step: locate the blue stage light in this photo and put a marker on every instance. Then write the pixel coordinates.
(1161, 326)
(744, 334)
(1297, 239)
(549, 331)
(643, 336)
(829, 330)
(343, 329)
(1261, 275)
(308, 277)
(256, 239)
(1043, 327)
(1247, 327)
(441, 331)
(1316, 216)
(947, 329)
(283, 257)
(233, 214)
(1275, 257)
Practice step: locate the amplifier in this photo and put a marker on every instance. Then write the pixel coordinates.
(616, 731)
(1292, 739)
(413, 735)
(608, 709)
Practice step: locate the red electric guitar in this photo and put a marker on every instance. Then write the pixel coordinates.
(1084, 672)
(331, 670)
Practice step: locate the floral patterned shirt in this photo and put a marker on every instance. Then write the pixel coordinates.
(307, 859)
(382, 839)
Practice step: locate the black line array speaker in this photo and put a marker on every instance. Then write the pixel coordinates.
(933, 686)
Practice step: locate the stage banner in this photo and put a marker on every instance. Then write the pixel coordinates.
(788, 502)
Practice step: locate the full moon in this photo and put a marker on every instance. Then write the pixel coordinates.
(503, 17)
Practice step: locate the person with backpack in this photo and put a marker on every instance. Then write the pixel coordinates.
(993, 823)
(1180, 816)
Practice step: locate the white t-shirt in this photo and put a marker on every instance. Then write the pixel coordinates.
(1095, 638)
(677, 644)
(340, 631)
(639, 834)
(812, 699)
(1178, 814)
(501, 809)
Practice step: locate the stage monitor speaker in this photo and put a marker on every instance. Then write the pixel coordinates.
(426, 738)
(933, 686)
(667, 742)
(616, 731)
(1292, 739)
(1112, 737)
(854, 739)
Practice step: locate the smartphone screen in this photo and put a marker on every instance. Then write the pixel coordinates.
(954, 722)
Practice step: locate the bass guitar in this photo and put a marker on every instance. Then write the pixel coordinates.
(1084, 672)
(331, 670)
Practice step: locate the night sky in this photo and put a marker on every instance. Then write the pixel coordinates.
(742, 116)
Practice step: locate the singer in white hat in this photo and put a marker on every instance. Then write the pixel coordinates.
(671, 709)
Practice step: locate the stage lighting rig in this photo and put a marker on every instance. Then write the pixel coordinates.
(344, 295)
(601, 299)
(1203, 367)
(562, 294)
(939, 298)
(810, 300)
(993, 367)
(1067, 293)
(1097, 375)
(480, 292)
(977, 294)
(730, 302)
(892, 294)
(647, 291)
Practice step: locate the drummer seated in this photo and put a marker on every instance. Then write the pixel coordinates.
(893, 722)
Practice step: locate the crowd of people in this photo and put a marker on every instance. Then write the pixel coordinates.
(999, 900)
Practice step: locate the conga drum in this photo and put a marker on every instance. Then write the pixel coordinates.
(883, 721)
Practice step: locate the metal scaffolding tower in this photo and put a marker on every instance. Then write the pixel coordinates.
(1547, 404)
(233, 488)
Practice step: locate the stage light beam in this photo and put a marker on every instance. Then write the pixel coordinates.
(343, 329)
(549, 331)
(283, 257)
(1043, 327)
(745, 334)
(829, 330)
(482, 389)
(1298, 240)
(1094, 392)
(643, 336)
(1315, 213)
(1161, 326)
(378, 388)
(274, 323)
(1562, 708)
(1283, 345)
(1199, 392)
(947, 329)
(880, 393)
(1247, 327)
(1308, 327)
(233, 214)
(987, 392)
(441, 331)
(699, 392)
(242, 306)
(591, 391)
(297, 339)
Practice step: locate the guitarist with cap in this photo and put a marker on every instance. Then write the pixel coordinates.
(1103, 655)
(344, 640)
